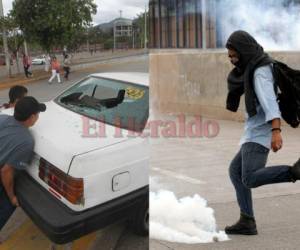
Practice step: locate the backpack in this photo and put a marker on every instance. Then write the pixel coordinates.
(287, 83)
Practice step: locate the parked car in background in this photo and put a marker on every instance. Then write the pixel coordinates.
(87, 172)
(39, 60)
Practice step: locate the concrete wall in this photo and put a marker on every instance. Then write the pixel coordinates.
(194, 81)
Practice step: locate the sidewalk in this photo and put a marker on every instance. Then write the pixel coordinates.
(20, 79)
(190, 166)
(80, 62)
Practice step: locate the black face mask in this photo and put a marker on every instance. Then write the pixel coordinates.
(246, 46)
(235, 63)
(239, 65)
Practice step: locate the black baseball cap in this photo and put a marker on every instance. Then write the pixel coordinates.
(26, 107)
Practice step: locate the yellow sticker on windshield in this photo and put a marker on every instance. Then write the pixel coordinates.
(134, 93)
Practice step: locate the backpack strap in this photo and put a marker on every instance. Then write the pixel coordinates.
(276, 87)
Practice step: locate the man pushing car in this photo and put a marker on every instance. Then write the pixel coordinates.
(16, 147)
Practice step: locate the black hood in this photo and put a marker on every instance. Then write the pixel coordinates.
(246, 46)
(240, 79)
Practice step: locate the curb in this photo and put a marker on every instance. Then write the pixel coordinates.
(8, 84)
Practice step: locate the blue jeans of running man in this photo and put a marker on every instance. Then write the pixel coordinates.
(248, 170)
(6, 208)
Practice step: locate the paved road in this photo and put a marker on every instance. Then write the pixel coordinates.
(45, 92)
(22, 233)
(190, 166)
(82, 57)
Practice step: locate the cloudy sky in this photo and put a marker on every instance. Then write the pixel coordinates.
(107, 9)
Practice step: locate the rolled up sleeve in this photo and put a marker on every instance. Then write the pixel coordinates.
(264, 89)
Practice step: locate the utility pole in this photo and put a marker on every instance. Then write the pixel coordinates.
(115, 22)
(145, 45)
(4, 37)
(17, 52)
(115, 35)
(87, 46)
(25, 48)
(133, 38)
(203, 3)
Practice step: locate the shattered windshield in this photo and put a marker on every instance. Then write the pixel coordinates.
(121, 104)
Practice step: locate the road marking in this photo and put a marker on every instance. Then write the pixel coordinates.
(179, 176)
(29, 237)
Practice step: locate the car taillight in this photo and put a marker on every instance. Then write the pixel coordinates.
(67, 186)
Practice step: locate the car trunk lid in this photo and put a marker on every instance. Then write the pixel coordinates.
(61, 134)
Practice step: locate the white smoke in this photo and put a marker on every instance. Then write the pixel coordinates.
(275, 24)
(187, 220)
(155, 184)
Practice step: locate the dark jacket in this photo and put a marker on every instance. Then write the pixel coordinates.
(240, 79)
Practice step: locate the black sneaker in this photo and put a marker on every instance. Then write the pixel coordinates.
(245, 226)
(295, 171)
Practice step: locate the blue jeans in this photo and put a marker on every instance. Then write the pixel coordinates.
(6, 208)
(248, 170)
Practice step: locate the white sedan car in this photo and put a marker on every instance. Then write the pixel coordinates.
(90, 167)
(39, 60)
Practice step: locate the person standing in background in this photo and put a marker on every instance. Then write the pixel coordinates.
(26, 64)
(55, 66)
(66, 66)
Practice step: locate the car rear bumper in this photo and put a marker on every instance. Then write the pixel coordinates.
(60, 223)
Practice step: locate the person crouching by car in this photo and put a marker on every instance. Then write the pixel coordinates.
(16, 149)
(15, 93)
(55, 66)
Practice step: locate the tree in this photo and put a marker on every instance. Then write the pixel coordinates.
(53, 23)
(139, 28)
(96, 35)
(77, 40)
(14, 38)
(108, 43)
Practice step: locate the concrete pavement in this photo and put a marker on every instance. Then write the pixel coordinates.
(200, 166)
